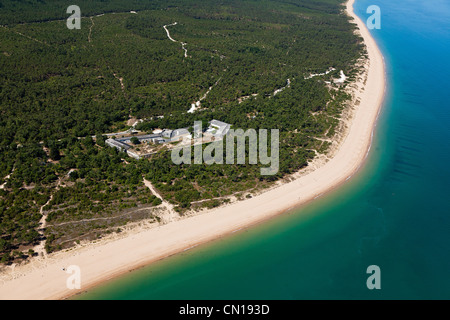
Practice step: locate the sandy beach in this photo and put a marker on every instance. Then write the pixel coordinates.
(104, 260)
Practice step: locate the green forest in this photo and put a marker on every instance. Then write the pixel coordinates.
(62, 91)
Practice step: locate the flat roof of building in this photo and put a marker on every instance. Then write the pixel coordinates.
(218, 123)
(143, 137)
(118, 144)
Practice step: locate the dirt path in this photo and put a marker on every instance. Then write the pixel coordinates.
(40, 248)
(198, 104)
(288, 84)
(90, 29)
(120, 80)
(171, 214)
(320, 74)
(3, 186)
(28, 37)
(100, 219)
(6, 181)
(183, 45)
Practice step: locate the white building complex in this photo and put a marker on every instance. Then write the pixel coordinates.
(217, 129)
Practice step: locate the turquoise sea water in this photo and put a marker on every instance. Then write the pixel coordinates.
(395, 213)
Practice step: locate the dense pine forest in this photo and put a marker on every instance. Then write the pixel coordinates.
(62, 91)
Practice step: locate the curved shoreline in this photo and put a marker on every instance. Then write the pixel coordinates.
(106, 260)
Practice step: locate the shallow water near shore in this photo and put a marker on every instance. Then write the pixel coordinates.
(395, 213)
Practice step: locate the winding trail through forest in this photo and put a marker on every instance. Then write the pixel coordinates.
(40, 248)
(282, 89)
(172, 215)
(198, 104)
(90, 30)
(120, 80)
(319, 74)
(3, 186)
(341, 80)
(24, 35)
(6, 181)
(183, 45)
(98, 219)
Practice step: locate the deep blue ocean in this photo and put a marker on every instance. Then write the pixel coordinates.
(394, 214)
